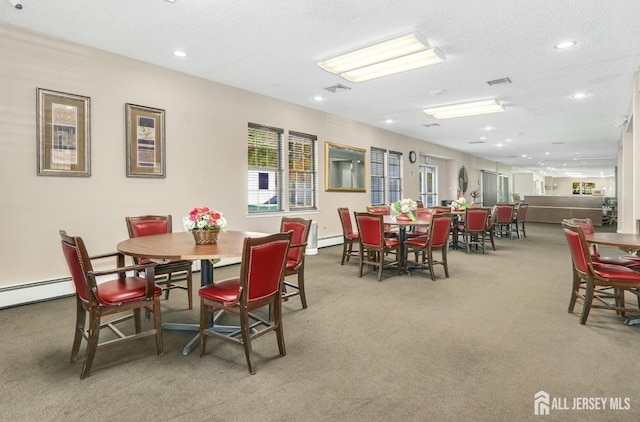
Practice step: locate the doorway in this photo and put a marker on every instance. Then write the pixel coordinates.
(428, 182)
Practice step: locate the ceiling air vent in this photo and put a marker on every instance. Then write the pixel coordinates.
(476, 142)
(501, 81)
(432, 125)
(338, 88)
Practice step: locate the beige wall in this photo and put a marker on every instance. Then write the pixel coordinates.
(206, 131)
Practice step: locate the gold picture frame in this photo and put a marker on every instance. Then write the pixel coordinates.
(145, 139)
(63, 133)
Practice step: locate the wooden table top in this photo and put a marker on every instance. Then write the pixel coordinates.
(176, 246)
(619, 240)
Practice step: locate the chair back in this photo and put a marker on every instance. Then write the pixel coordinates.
(491, 221)
(422, 214)
(370, 227)
(439, 229)
(263, 263)
(504, 213)
(379, 209)
(578, 247)
(587, 228)
(522, 212)
(75, 253)
(147, 225)
(345, 220)
(476, 219)
(441, 210)
(300, 228)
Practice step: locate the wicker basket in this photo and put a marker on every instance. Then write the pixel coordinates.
(205, 237)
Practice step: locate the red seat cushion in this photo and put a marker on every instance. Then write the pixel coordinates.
(225, 291)
(617, 273)
(420, 242)
(392, 243)
(130, 289)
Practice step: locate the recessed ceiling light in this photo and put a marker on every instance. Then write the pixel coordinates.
(524, 155)
(508, 140)
(565, 44)
(579, 95)
(179, 53)
(318, 98)
(488, 128)
(436, 92)
(171, 1)
(546, 153)
(483, 137)
(388, 121)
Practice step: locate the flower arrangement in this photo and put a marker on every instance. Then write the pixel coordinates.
(459, 204)
(405, 206)
(475, 194)
(204, 219)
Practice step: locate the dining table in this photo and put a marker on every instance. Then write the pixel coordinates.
(182, 246)
(402, 225)
(629, 242)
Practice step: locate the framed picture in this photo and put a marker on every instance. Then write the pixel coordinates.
(145, 141)
(63, 134)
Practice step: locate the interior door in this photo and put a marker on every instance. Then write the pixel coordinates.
(428, 183)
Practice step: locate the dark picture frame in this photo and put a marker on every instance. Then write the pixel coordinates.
(63, 133)
(145, 141)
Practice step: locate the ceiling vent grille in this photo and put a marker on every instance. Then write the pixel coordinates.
(501, 81)
(338, 88)
(432, 125)
(476, 142)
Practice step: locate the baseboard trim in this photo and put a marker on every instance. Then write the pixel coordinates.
(41, 291)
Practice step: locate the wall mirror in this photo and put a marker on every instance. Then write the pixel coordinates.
(344, 168)
(463, 179)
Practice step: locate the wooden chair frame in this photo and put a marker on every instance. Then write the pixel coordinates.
(165, 270)
(297, 256)
(437, 239)
(376, 247)
(349, 237)
(90, 302)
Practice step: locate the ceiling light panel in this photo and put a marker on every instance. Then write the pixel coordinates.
(397, 55)
(464, 109)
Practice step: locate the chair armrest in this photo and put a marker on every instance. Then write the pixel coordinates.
(105, 255)
(298, 245)
(149, 269)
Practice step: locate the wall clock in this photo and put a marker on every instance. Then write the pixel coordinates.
(412, 156)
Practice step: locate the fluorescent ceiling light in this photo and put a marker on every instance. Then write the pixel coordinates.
(397, 55)
(464, 109)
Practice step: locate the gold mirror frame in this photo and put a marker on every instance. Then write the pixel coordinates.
(344, 169)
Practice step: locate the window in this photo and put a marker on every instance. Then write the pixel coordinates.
(303, 175)
(377, 176)
(383, 187)
(395, 176)
(265, 169)
(267, 179)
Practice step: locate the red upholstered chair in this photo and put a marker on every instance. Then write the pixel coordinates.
(504, 220)
(258, 286)
(438, 239)
(383, 210)
(598, 285)
(295, 260)
(374, 244)
(122, 294)
(491, 226)
(147, 225)
(419, 231)
(349, 237)
(473, 227)
(519, 219)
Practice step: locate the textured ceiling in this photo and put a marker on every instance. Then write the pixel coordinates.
(272, 47)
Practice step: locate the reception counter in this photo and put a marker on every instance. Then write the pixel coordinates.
(555, 208)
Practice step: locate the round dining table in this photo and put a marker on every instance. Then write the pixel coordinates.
(179, 246)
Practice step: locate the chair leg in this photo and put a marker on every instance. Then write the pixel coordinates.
(588, 299)
(380, 264)
(92, 345)
(277, 320)
(137, 320)
(345, 249)
(430, 259)
(303, 296)
(574, 291)
(246, 340)
(204, 313)
(444, 262)
(361, 260)
(81, 316)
